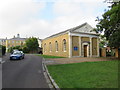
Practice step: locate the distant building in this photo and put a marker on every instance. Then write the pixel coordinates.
(79, 41)
(39, 42)
(3, 41)
(15, 41)
(40, 46)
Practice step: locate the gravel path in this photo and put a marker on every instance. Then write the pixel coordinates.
(76, 60)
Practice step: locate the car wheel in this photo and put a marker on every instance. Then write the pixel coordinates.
(20, 58)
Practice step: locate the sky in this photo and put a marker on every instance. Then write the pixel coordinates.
(42, 18)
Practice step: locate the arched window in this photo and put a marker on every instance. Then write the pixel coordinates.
(56, 45)
(50, 46)
(64, 45)
(45, 47)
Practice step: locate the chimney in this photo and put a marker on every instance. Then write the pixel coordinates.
(18, 35)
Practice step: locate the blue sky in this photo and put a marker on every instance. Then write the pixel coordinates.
(47, 13)
(42, 18)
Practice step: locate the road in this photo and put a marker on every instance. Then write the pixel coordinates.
(0, 74)
(26, 73)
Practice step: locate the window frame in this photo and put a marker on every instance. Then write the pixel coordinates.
(64, 45)
(50, 46)
(56, 46)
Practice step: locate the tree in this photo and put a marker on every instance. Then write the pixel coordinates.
(32, 44)
(16, 47)
(25, 49)
(103, 42)
(2, 50)
(10, 49)
(110, 25)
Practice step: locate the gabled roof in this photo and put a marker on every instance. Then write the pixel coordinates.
(75, 29)
(17, 38)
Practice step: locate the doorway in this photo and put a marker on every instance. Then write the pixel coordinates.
(85, 50)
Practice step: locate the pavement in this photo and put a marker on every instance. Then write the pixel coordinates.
(25, 73)
(0, 59)
(0, 75)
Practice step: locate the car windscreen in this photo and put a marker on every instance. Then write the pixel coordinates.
(16, 53)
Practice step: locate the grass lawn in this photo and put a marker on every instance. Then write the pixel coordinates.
(100, 74)
(48, 56)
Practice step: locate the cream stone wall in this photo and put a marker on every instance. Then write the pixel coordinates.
(94, 46)
(12, 43)
(53, 52)
(75, 43)
(85, 39)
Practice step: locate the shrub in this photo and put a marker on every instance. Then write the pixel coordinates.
(3, 50)
(25, 50)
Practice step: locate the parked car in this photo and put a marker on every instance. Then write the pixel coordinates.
(14, 51)
(16, 56)
(22, 53)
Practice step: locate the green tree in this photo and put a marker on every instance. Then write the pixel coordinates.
(2, 50)
(25, 49)
(110, 25)
(32, 44)
(10, 49)
(103, 41)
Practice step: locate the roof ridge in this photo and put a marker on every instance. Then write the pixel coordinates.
(71, 29)
(74, 28)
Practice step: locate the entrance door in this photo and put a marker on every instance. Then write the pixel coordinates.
(85, 50)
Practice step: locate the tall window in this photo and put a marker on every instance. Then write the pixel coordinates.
(56, 45)
(64, 45)
(45, 47)
(50, 46)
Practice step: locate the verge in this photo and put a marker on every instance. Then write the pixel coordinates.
(52, 84)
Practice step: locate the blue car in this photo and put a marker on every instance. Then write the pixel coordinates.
(16, 56)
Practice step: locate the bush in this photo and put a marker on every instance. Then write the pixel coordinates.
(3, 50)
(10, 49)
(25, 50)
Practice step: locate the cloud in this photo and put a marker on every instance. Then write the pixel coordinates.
(75, 13)
(86, 1)
(15, 13)
(22, 16)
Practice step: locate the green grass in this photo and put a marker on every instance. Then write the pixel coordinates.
(48, 56)
(101, 74)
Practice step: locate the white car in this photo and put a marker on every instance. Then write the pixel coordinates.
(22, 53)
(17, 55)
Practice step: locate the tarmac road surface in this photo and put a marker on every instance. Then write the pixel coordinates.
(25, 73)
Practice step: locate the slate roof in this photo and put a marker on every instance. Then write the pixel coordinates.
(71, 30)
(17, 38)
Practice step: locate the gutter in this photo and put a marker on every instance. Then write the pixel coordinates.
(52, 84)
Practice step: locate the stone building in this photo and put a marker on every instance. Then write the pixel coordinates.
(15, 41)
(79, 41)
